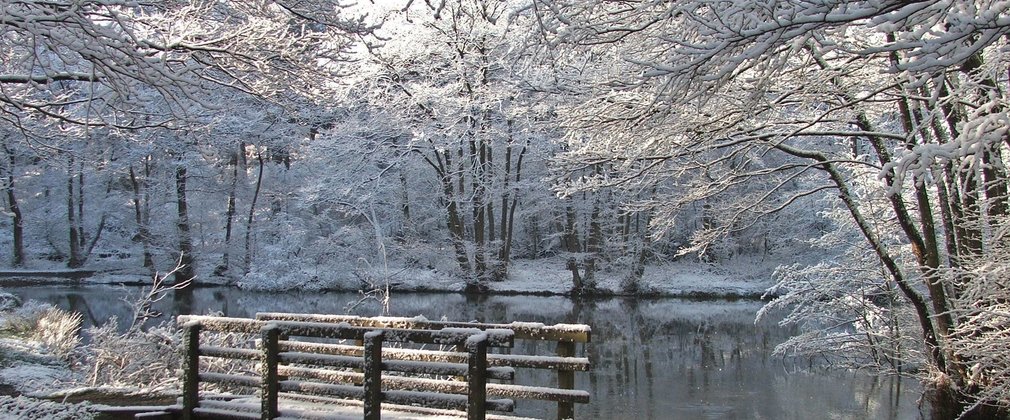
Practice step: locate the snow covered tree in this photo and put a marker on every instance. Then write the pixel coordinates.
(455, 82)
(762, 100)
(76, 73)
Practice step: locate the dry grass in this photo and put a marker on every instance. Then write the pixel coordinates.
(58, 331)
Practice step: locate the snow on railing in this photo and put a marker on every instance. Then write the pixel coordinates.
(413, 376)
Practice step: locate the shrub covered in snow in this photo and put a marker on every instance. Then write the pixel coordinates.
(57, 331)
(137, 358)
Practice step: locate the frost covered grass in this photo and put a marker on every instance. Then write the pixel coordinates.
(30, 408)
(57, 331)
(135, 359)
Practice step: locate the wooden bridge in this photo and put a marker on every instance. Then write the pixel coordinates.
(332, 366)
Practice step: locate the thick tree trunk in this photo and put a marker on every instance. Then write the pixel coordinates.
(187, 261)
(140, 215)
(247, 261)
(572, 245)
(479, 211)
(76, 260)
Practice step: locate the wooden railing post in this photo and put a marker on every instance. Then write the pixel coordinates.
(476, 378)
(270, 342)
(373, 375)
(566, 380)
(190, 368)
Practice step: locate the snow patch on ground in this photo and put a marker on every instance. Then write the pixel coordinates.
(30, 378)
(30, 408)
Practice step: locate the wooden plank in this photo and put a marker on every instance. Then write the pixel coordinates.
(269, 336)
(321, 359)
(230, 352)
(231, 379)
(215, 413)
(523, 330)
(566, 380)
(190, 369)
(406, 383)
(223, 324)
(444, 401)
(406, 366)
(476, 377)
(524, 392)
(540, 362)
(345, 331)
(316, 388)
(373, 375)
(513, 360)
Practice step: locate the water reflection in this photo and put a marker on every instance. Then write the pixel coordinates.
(653, 359)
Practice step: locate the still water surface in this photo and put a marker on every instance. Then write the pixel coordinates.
(652, 358)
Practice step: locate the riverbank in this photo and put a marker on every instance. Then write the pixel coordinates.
(748, 278)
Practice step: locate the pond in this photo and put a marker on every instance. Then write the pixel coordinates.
(652, 358)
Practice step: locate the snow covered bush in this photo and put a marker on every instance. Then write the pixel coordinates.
(849, 314)
(134, 359)
(983, 333)
(57, 331)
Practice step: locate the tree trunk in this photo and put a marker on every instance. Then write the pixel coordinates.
(593, 247)
(247, 262)
(140, 214)
(76, 260)
(408, 223)
(187, 270)
(17, 225)
(572, 245)
(479, 210)
(230, 217)
(509, 201)
(930, 340)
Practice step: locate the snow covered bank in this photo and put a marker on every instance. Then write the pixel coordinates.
(549, 276)
(742, 277)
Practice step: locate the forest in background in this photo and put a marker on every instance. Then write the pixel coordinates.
(277, 143)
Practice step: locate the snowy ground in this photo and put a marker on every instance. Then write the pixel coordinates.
(27, 374)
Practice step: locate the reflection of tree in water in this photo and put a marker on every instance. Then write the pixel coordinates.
(182, 299)
(77, 303)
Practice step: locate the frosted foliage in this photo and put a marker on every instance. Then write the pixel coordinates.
(982, 337)
(121, 56)
(58, 331)
(23, 318)
(890, 114)
(146, 359)
(848, 314)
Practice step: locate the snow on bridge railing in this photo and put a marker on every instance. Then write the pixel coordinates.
(453, 336)
(576, 333)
